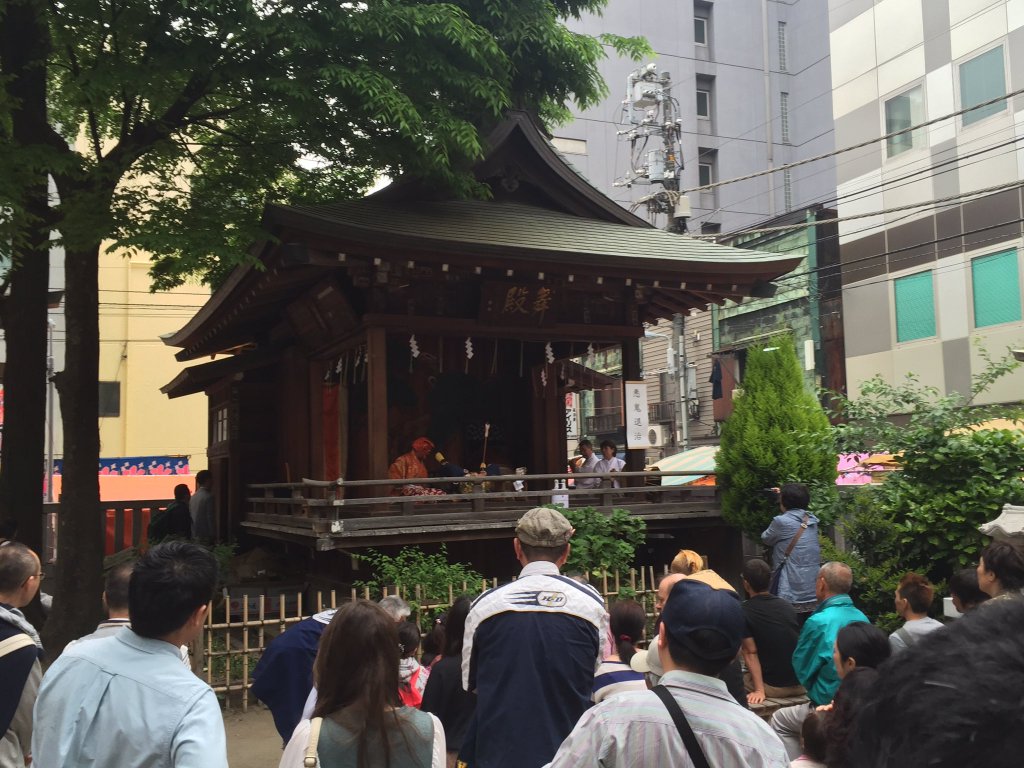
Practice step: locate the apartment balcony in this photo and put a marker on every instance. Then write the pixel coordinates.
(657, 413)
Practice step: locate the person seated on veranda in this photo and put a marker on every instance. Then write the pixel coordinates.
(410, 466)
(609, 461)
(585, 463)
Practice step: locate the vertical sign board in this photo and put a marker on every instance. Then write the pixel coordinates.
(572, 424)
(635, 402)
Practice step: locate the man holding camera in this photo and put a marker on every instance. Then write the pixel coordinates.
(796, 552)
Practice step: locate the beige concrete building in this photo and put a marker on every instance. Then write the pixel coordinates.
(136, 418)
(938, 271)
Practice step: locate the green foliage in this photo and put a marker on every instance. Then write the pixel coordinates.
(223, 553)
(777, 433)
(424, 580)
(873, 553)
(925, 517)
(603, 543)
(190, 117)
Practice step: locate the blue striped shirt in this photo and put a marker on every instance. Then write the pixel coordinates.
(614, 677)
(635, 730)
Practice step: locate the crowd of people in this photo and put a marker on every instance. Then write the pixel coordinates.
(540, 672)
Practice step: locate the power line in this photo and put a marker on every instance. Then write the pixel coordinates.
(853, 194)
(859, 145)
(909, 206)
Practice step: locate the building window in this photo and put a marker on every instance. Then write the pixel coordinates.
(700, 30)
(705, 174)
(110, 399)
(901, 112)
(784, 115)
(787, 189)
(996, 282)
(219, 425)
(704, 104)
(710, 228)
(783, 65)
(982, 79)
(915, 306)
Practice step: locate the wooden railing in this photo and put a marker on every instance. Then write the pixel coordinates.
(486, 505)
(122, 524)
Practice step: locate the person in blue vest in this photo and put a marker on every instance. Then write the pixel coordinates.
(800, 569)
(530, 651)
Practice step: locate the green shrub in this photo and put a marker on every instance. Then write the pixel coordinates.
(777, 433)
(925, 517)
(425, 581)
(603, 543)
(951, 480)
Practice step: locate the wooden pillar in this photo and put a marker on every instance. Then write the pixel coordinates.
(377, 401)
(554, 424)
(635, 459)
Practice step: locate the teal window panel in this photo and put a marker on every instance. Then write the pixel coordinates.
(915, 306)
(996, 280)
(982, 79)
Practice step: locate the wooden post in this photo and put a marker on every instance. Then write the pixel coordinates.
(635, 459)
(377, 401)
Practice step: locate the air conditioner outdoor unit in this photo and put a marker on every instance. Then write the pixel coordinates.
(658, 435)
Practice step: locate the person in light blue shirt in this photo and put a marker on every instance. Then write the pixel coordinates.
(127, 700)
(800, 569)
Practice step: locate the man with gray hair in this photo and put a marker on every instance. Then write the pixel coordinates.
(530, 651)
(396, 608)
(812, 659)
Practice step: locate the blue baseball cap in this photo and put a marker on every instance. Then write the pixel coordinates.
(708, 622)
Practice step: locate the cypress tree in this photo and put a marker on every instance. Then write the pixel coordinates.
(777, 433)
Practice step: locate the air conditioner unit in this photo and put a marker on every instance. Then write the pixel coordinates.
(658, 436)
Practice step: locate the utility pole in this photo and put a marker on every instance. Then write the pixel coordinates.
(656, 156)
(50, 397)
(656, 159)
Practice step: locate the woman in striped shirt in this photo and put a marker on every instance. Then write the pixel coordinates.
(614, 675)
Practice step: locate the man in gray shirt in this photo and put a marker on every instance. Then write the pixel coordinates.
(201, 507)
(913, 599)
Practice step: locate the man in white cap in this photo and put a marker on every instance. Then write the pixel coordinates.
(689, 719)
(530, 651)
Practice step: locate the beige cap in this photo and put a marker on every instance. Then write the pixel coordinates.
(543, 527)
(648, 662)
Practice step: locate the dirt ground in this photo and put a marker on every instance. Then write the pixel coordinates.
(253, 742)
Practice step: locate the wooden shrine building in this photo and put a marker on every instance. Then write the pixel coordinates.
(367, 323)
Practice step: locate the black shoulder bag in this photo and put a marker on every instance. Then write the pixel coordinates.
(689, 738)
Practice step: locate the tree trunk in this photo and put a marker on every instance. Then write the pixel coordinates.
(79, 543)
(24, 44)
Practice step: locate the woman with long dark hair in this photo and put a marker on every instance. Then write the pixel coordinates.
(360, 718)
(614, 675)
(444, 695)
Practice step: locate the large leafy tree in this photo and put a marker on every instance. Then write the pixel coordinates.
(171, 123)
(777, 433)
